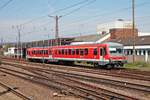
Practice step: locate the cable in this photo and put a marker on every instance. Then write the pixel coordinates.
(108, 13)
(71, 6)
(68, 7)
(3, 6)
(78, 8)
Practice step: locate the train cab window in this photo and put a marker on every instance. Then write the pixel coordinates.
(95, 51)
(101, 51)
(86, 51)
(69, 51)
(81, 51)
(77, 51)
(62, 51)
(73, 52)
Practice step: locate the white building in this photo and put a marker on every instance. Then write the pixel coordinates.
(104, 28)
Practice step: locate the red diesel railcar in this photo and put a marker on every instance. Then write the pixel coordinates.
(103, 55)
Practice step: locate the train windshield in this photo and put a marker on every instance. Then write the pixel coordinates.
(116, 50)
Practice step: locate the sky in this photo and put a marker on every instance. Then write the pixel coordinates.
(78, 17)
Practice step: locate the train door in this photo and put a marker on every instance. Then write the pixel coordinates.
(50, 54)
(102, 53)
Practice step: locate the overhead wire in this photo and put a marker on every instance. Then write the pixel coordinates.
(108, 13)
(71, 7)
(4, 5)
(78, 8)
(59, 10)
(99, 15)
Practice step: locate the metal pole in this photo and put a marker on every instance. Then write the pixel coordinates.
(133, 28)
(19, 42)
(56, 29)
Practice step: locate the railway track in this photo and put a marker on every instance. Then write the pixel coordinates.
(81, 77)
(122, 73)
(74, 85)
(13, 90)
(63, 72)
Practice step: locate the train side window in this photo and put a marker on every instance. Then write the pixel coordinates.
(32, 52)
(77, 51)
(81, 52)
(95, 51)
(46, 51)
(38, 51)
(59, 52)
(56, 52)
(69, 51)
(65, 51)
(50, 52)
(86, 51)
(62, 51)
(41, 52)
(73, 52)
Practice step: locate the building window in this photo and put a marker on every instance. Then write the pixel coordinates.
(148, 52)
(144, 52)
(139, 52)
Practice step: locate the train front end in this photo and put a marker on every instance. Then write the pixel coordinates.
(116, 55)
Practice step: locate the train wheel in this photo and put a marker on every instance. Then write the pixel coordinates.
(108, 66)
(95, 64)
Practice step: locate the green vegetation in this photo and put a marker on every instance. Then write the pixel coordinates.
(138, 65)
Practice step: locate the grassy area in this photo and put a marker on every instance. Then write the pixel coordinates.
(138, 65)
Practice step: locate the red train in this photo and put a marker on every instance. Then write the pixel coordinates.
(107, 55)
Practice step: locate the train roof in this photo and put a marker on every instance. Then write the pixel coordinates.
(81, 45)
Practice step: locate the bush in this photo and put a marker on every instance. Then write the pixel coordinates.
(138, 64)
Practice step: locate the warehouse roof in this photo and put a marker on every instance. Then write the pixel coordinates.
(142, 40)
(89, 38)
